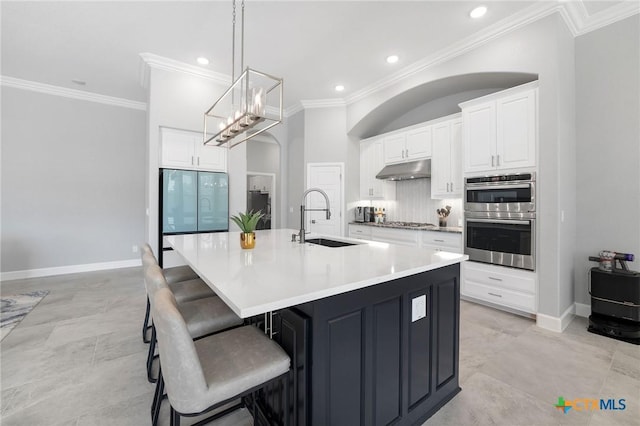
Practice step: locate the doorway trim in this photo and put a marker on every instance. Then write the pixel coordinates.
(274, 194)
(341, 165)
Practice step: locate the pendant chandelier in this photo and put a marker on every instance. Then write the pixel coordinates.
(252, 105)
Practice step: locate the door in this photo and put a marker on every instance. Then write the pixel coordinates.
(516, 131)
(441, 161)
(418, 144)
(177, 149)
(479, 135)
(179, 201)
(394, 148)
(455, 139)
(210, 157)
(328, 177)
(213, 201)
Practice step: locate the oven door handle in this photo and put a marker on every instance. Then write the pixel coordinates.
(501, 221)
(473, 187)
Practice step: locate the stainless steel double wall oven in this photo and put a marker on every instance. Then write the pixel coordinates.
(500, 219)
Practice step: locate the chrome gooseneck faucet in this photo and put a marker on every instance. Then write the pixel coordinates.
(303, 209)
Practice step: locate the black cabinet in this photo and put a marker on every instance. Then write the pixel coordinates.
(371, 365)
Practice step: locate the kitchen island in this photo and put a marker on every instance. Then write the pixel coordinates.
(372, 328)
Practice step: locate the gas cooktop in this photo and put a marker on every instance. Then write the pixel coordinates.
(407, 225)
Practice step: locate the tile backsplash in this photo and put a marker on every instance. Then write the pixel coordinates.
(414, 204)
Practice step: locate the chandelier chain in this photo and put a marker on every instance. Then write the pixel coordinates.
(233, 43)
(242, 40)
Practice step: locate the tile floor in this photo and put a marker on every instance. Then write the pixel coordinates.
(77, 360)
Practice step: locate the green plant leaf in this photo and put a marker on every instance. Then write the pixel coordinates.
(247, 221)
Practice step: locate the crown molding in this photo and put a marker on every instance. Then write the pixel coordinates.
(294, 109)
(574, 14)
(150, 60)
(521, 19)
(323, 103)
(586, 23)
(65, 92)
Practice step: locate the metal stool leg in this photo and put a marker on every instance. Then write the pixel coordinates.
(157, 399)
(145, 324)
(151, 355)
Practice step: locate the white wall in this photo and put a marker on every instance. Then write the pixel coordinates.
(264, 157)
(72, 181)
(179, 100)
(295, 168)
(538, 48)
(608, 152)
(326, 140)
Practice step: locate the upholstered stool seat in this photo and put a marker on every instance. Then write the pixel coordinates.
(183, 281)
(204, 374)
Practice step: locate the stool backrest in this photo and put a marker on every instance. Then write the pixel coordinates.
(179, 361)
(153, 281)
(146, 248)
(148, 259)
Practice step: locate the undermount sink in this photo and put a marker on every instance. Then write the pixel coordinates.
(328, 243)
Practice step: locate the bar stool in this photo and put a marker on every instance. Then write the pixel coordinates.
(201, 375)
(183, 281)
(203, 316)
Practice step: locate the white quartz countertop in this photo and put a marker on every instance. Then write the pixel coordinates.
(279, 273)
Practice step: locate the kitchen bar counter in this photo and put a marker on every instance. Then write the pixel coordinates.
(426, 227)
(279, 273)
(372, 329)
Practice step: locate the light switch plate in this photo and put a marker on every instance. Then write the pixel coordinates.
(418, 307)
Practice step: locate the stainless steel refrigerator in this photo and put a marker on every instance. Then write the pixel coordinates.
(193, 201)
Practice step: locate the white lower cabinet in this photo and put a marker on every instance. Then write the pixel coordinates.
(512, 288)
(405, 237)
(360, 232)
(438, 240)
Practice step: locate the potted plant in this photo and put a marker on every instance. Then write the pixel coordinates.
(247, 223)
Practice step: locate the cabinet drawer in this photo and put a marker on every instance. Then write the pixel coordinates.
(496, 276)
(442, 239)
(362, 232)
(405, 237)
(522, 301)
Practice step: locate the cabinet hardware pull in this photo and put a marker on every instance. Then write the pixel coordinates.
(407, 151)
(192, 160)
(493, 294)
(447, 186)
(498, 160)
(440, 241)
(198, 161)
(451, 186)
(493, 161)
(495, 279)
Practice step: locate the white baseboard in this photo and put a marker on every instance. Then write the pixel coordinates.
(554, 323)
(71, 269)
(583, 310)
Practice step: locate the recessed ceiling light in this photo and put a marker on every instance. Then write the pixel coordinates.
(79, 82)
(339, 88)
(392, 59)
(202, 60)
(478, 12)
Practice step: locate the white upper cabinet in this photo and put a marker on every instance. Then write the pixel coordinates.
(394, 148)
(516, 130)
(500, 130)
(409, 145)
(181, 149)
(479, 134)
(446, 162)
(371, 162)
(418, 144)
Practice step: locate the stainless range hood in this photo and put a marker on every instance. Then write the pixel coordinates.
(419, 169)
